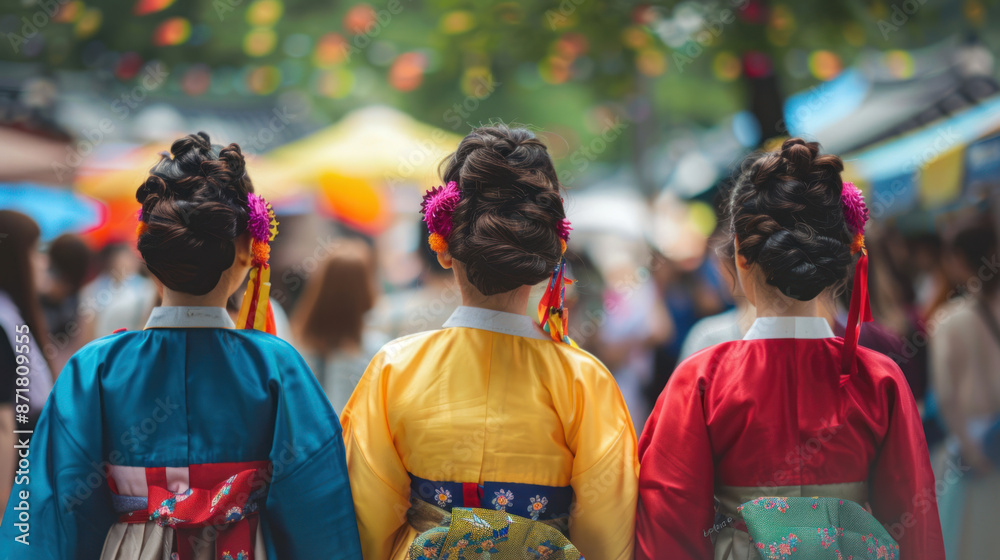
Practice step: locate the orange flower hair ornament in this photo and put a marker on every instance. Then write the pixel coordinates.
(856, 216)
(255, 312)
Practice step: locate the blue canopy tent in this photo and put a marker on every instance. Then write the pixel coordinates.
(897, 172)
(56, 210)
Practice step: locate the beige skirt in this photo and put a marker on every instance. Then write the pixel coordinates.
(149, 541)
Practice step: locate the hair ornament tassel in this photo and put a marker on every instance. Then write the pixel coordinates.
(856, 216)
(438, 205)
(552, 314)
(255, 311)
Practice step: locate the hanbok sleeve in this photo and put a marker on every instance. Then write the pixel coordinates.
(605, 468)
(310, 512)
(676, 477)
(902, 483)
(379, 479)
(60, 505)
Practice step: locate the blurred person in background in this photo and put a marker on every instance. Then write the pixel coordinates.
(728, 325)
(733, 323)
(747, 431)
(70, 266)
(636, 323)
(691, 291)
(205, 440)
(329, 320)
(965, 375)
(493, 411)
(25, 378)
(419, 308)
(121, 297)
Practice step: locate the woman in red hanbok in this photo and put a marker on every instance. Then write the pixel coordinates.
(791, 411)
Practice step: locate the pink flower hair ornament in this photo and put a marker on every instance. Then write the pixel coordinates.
(438, 205)
(855, 214)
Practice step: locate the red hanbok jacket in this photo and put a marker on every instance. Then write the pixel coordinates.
(770, 416)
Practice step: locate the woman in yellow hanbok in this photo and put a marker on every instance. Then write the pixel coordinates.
(493, 411)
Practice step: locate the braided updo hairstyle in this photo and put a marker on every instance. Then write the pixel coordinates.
(505, 229)
(194, 204)
(786, 213)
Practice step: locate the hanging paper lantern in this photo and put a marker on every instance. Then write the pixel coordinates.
(263, 80)
(572, 45)
(88, 23)
(174, 31)
(264, 12)
(726, 66)
(69, 12)
(407, 71)
(359, 18)
(458, 21)
(335, 84)
(635, 37)
(651, 62)
(128, 66)
(143, 7)
(825, 65)
(197, 80)
(900, 64)
(331, 49)
(757, 65)
(260, 41)
(554, 70)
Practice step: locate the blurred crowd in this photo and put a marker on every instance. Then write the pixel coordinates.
(339, 296)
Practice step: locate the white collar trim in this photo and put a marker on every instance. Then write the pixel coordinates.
(189, 317)
(789, 327)
(495, 321)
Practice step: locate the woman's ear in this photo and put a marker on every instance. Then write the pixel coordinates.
(741, 261)
(244, 246)
(445, 260)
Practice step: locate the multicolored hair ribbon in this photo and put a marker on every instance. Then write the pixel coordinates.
(552, 314)
(255, 312)
(856, 216)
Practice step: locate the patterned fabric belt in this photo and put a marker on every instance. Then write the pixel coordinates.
(230, 506)
(731, 497)
(534, 501)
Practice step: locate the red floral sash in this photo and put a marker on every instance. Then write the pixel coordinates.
(224, 496)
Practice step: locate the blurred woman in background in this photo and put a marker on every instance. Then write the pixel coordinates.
(70, 268)
(329, 320)
(965, 375)
(492, 411)
(25, 379)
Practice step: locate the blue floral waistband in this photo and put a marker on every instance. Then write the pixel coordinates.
(534, 501)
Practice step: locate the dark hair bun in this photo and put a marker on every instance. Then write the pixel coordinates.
(505, 227)
(786, 213)
(194, 203)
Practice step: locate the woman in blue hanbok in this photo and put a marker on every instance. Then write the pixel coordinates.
(188, 439)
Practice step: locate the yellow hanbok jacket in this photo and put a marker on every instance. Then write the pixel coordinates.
(490, 412)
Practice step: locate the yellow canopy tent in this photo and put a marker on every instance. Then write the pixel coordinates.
(356, 162)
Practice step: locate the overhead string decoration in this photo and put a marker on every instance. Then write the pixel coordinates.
(256, 312)
(552, 314)
(856, 216)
